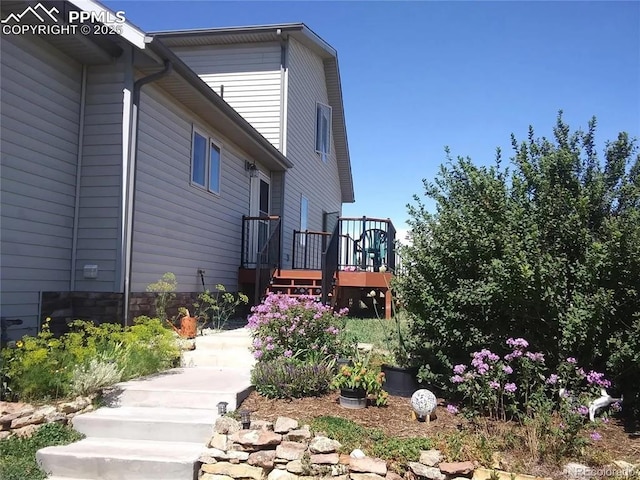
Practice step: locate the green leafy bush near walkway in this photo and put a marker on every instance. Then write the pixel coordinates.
(85, 359)
(18, 455)
(546, 249)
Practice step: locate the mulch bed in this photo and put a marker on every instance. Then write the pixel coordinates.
(396, 420)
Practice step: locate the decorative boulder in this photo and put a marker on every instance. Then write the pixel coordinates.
(423, 403)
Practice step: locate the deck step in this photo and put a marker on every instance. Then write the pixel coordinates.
(114, 459)
(148, 423)
(297, 282)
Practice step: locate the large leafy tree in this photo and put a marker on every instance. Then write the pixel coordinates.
(547, 248)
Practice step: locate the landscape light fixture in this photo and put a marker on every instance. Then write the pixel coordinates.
(222, 408)
(245, 419)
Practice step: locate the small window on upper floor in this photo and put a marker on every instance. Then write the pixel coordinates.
(323, 130)
(205, 162)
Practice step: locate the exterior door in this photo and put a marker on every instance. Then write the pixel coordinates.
(259, 206)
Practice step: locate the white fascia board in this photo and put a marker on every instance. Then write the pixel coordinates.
(130, 33)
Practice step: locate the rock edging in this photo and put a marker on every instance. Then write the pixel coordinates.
(23, 419)
(288, 451)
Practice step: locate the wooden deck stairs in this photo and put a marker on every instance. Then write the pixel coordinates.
(297, 282)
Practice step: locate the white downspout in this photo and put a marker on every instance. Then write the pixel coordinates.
(129, 182)
(76, 207)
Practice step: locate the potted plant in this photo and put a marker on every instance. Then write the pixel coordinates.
(401, 375)
(357, 383)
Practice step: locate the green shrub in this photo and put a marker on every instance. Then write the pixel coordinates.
(290, 378)
(39, 367)
(548, 250)
(150, 348)
(18, 455)
(88, 357)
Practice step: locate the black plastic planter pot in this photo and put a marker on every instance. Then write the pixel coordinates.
(353, 398)
(401, 382)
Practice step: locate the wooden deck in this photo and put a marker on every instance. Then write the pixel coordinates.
(348, 285)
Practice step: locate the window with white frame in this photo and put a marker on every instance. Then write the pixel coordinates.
(205, 162)
(323, 130)
(304, 218)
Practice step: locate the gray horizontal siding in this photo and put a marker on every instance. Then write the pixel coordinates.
(251, 78)
(311, 176)
(179, 227)
(38, 134)
(100, 184)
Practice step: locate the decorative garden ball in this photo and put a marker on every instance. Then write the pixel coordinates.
(423, 402)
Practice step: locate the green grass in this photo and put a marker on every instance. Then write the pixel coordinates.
(18, 455)
(372, 440)
(370, 330)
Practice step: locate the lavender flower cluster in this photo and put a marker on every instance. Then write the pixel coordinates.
(491, 384)
(286, 326)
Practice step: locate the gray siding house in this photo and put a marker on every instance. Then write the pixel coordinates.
(284, 80)
(124, 156)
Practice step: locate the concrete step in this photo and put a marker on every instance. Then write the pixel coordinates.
(226, 339)
(117, 459)
(198, 387)
(148, 423)
(230, 358)
(56, 477)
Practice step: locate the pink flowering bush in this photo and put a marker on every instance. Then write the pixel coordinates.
(520, 386)
(295, 327)
(520, 382)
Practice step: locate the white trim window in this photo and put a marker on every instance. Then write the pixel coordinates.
(206, 160)
(323, 130)
(304, 218)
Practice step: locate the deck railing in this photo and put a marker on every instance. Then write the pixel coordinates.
(367, 244)
(268, 262)
(308, 248)
(256, 232)
(330, 263)
(361, 244)
(364, 244)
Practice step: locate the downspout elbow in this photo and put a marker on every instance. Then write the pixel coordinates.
(137, 86)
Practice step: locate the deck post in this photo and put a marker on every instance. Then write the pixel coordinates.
(388, 302)
(243, 258)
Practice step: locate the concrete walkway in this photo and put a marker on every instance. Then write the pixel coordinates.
(155, 428)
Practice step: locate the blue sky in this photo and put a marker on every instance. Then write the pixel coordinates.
(417, 76)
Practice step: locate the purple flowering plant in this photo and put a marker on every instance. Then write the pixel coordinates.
(520, 385)
(299, 328)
